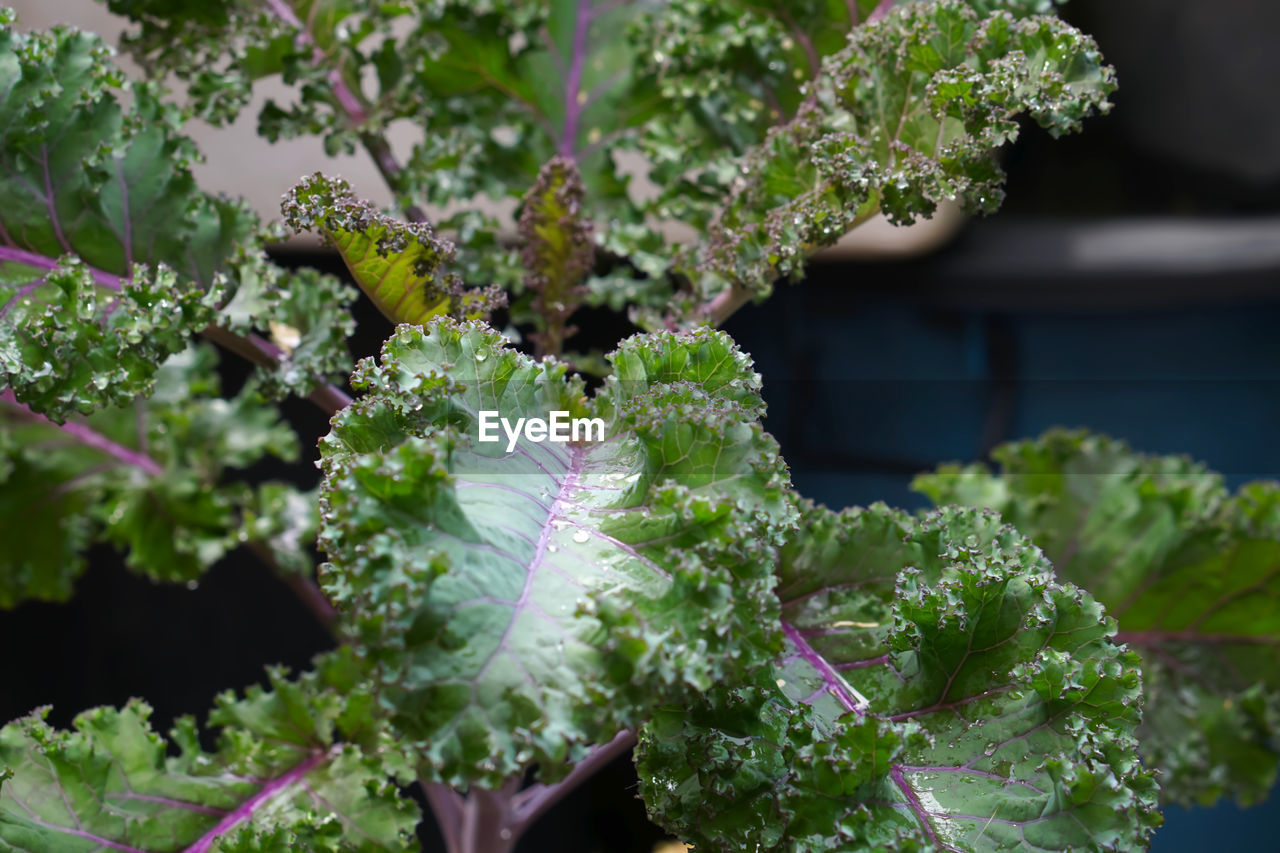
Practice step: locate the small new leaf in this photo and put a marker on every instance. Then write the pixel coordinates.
(558, 250)
(397, 264)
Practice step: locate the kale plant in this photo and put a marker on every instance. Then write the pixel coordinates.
(512, 610)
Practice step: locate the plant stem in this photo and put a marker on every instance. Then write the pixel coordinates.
(485, 820)
(722, 306)
(304, 587)
(806, 43)
(882, 8)
(380, 150)
(353, 104)
(725, 303)
(531, 803)
(89, 437)
(489, 821)
(447, 804)
(260, 351)
(573, 82)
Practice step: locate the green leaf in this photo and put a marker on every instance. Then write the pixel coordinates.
(1191, 573)
(308, 319)
(909, 114)
(84, 176)
(44, 517)
(518, 605)
(297, 767)
(283, 521)
(397, 264)
(69, 345)
(148, 478)
(102, 188)
(939, 690)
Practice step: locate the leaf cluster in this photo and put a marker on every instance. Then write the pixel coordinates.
(769, 129)
(799, 679)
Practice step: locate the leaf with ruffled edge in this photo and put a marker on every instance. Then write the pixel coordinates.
(88, 190)
(300, 766)
(556, 249)
(306, 315)
(397, 264)
(516, 606)
(148, 478)
(940, 690)
(111, 257)
(1191, 573)
(910, 113)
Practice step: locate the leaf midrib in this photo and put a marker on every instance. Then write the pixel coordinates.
(568, 485)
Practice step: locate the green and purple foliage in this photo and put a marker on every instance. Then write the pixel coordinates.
(792, 678)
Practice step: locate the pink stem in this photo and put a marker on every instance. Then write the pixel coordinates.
(882, 8)
(573, 83)
(835, 684)
(89, 437)
(248, 807)
(532, 803)
(351, 104)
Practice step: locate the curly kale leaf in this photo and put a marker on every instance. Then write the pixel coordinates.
(939, 690)
(300, 766)
(520, 601)
(111, 257)
(556, 249)
(73, 339)
(102, 188)
(397, 264)
(84, 176)
(148, 478)
(1191, 573)
(836, 111)
(307, 318)
(910, 113)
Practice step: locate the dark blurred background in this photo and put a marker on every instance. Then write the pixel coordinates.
(1131, 285)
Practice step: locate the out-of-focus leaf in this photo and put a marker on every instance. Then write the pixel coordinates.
(306, 316)
(82, 178)
(147, 478)
(910, 113)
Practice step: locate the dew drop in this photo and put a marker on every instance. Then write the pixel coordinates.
(481, 356)
(581, 536)
(193, 585)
